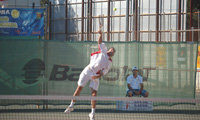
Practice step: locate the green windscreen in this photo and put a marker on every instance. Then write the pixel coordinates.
(38, 67)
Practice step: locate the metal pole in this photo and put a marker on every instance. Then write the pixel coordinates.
(111, 20)
(82, 22)
(171, 35)
(66, 13)
(94, 23)
(108, 24)
(157, 20)
(150, 36)
(130, 24)
(198, 26)
(192, 29)
(120, 21)
(163, 36)
(183, 21)
(191, 10)
(139, 20)
(33, 5)
(149, 21)
(170, 15)
(136, 19)
(90, 19)
(161, 19)
(168, 27)
(50, 30)
(141, 5)
(179, 21)
(127, 21)
(133, 20)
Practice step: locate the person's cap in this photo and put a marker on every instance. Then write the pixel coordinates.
(134, 68)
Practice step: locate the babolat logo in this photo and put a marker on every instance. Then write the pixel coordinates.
(63, 72)
(33, 70)
(71, 73)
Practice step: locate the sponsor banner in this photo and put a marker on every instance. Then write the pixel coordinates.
(160, 57)
(134, 105)
(21, 22)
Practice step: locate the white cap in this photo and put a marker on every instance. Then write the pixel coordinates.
(134, 68)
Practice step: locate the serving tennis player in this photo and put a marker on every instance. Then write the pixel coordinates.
(100, 63)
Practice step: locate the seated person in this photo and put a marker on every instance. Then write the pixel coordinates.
(135, 84)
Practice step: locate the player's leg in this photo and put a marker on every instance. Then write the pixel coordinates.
(94, 85)
(93, 105)
(83, 79)
(93, 102)
(70, 108)
(77, 91)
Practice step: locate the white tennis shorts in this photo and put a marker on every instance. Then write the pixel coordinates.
(86, 76)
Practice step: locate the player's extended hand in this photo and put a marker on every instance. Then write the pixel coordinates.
(96, 77)
(101, 73)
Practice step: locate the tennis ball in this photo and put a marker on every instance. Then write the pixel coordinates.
(114, 9)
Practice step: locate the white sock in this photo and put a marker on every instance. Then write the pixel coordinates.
(72, 104)
(93, 110)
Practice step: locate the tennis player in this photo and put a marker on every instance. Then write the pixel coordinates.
(100, 63)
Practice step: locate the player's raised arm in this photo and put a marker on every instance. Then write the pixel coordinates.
(100, 37)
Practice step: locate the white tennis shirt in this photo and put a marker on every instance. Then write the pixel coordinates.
(134, 82)
(100, 60)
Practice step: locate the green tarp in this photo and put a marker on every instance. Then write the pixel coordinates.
(38, 67)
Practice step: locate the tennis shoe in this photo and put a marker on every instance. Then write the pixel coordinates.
(91, 115)
(69, 109)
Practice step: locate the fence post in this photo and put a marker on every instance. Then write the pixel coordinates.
(192, 29)
(157, 20)
(198, 27)
(66, 11)
(50, 36)
(82, 21)
(127, 21)
(171, 35)
(33, 5)
(108, 22)
(179, 21)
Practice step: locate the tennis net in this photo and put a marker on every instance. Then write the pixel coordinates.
(16, 107)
